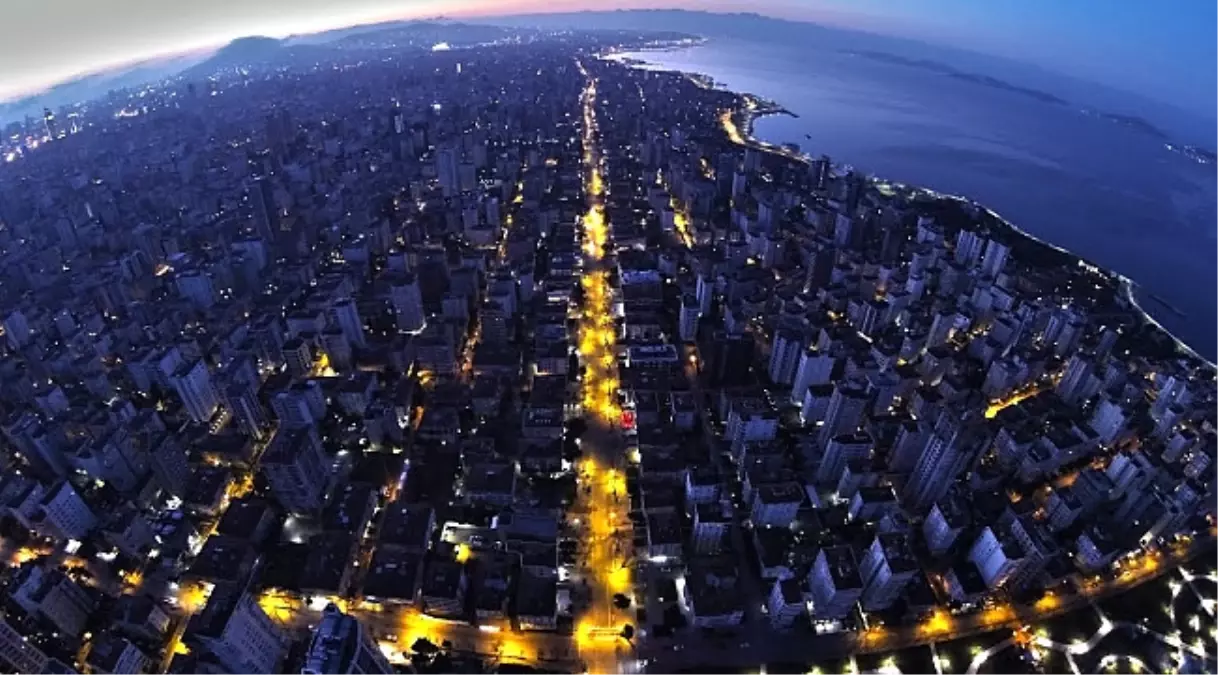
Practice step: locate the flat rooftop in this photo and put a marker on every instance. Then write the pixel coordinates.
(843, 567)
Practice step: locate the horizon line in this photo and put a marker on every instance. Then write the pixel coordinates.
(459, 13)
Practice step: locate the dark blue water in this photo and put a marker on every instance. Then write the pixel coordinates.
(1110, 193)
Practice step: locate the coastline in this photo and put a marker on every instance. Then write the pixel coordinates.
(738, 124)
(739, 127)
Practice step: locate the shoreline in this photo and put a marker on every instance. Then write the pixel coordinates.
(755, 107)
(737, 122)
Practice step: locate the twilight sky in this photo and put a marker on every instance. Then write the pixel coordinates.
(1166, 51)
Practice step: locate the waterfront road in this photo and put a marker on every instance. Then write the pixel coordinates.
(750, 648)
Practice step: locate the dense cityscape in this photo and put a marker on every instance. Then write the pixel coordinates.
(453, 349)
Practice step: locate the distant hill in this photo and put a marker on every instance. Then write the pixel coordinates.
(327, 36)
(254, 52)
(383, 27)
(250, 52)
(96, 85)
(742, 25)
(246, 49)
(423, 35)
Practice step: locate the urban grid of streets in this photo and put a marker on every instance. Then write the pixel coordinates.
(601, 510)
(600, 513)
(603, 580)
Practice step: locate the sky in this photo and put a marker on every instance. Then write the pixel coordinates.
(1163, 50)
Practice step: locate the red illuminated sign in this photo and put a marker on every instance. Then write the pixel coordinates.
(627, 419)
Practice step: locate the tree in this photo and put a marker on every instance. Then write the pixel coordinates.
(424, 646)
(443, 663)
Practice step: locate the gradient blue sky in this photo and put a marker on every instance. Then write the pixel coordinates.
(1164, 50)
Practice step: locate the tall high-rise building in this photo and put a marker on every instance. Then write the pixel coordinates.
(752, 159)
(705, 293)
(63, 514)
(447, 171)
(997, 555)
(266, 212)
(887, 567)
(242, 403)
(835, 583)
(299, 406)
(18, 653)
(819, 172)
(193, 384)
(908, 445)
(397, 120)
(341, 645)
(1107, 341)
(45, 457)
(822, 259)
(841, 450)
(297, 355)
(815, 367)
(53, 597)
(727, 359)
(995, 258)
(113, 653)
(968, 247)
(945, 521)
(689, 317)
(296, 470)
(407, 301)
(237, 632)
(1076, 380)
(784, 355)
(942, 327)
(947, 451)
(845, 411)
(1170, 388)
(1108, 420)
(725, 168)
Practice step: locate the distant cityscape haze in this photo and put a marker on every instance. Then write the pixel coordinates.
(1143, 48)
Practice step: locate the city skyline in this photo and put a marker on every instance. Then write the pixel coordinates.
(465, 347)
(1168, 57)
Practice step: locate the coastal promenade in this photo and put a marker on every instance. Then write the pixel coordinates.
(737, 123)
(763, 646)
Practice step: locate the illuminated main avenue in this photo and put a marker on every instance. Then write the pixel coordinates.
(601, 505)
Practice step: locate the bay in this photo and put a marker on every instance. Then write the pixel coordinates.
(1109, 192)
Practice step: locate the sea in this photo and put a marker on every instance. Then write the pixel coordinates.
(1108, 191)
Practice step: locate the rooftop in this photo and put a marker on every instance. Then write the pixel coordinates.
(442, 578)
(328, 563)
(408, 526)
(897, 552)
(843, 567)
(393, 574)
(224, 558)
